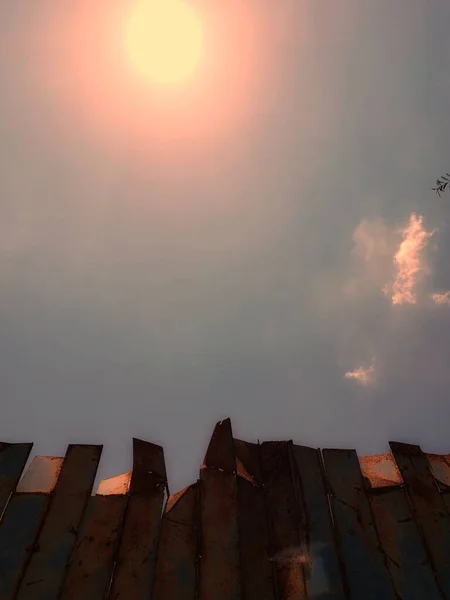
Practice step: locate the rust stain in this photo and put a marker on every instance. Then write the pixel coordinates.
(42, 475)
(115, 486)
(380, 470)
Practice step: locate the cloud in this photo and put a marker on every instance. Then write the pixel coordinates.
(409, 262)
(371, 266)
(363, 375)
(441, 298)
(388, 260)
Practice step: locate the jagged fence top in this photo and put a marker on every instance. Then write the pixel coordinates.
(269, 521)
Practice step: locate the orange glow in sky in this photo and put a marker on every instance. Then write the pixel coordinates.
(166, 82)
(164, 40)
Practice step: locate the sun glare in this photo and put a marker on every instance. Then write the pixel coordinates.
(164, 40)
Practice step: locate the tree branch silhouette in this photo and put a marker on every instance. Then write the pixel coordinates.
(441, 184)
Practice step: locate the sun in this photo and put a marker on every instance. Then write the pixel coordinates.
(164, 40)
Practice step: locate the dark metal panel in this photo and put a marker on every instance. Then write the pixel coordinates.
(289, 556)
(220, 452)
(18, 532)
(13, 458)
(46, 570)
(219, 567)
(176, 564)
(135, 566)
(134, 571)
(149, 468)
(367, 575)
(325, 579)
(428, 508)
(256, 566)
(91, 564)
(22, 520)
(402, 545)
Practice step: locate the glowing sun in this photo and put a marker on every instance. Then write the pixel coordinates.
(164, 40)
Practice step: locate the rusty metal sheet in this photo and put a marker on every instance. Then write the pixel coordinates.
(42, 475)
(256, 567)
(428, 508)
(177, 561)
(380, 470)
(18, 531)
(220, 452)
(119, 484)
(219, 566)
(402, 545)
(149, 468)
(366, 572)
(13, 458)
(134, 571)
(91, 564)
(288, 546)
(440, 469)
(325, 578)
(135, 566)
(45, 572)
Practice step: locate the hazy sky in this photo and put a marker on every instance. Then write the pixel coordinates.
(261, 244)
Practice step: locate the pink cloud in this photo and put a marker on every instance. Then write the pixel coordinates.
(362, 375)
(441, 298)
(409, 262)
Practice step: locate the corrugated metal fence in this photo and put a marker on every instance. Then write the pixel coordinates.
(270, 521)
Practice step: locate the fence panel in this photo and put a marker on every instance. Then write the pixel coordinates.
(288, 546)
(219, 533)
(22, 520)
(13, 458)
(401, 543)
(365, 567)
(47, 567)
(89, 573)
(177, 562)
(134, 571)
(428, 507)
(325, 577)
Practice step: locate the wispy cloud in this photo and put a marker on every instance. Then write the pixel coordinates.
(371, 239)
(374, 246)
(441, 298)
(363, 375)
(409, 262)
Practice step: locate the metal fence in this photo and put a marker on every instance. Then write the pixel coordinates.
(270, 521)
